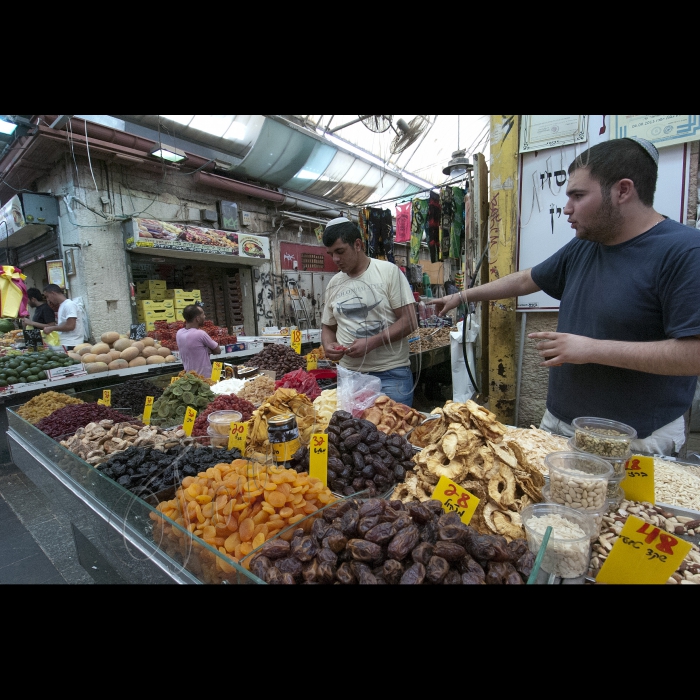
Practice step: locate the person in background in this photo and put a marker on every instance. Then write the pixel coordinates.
(69, 323)
(194, 345)
(42, 312)
(369, 311)
(627, 345)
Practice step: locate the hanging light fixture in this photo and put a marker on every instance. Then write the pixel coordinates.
(169, 153)
(458, 164)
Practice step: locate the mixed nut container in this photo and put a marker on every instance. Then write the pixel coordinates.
(219, 426)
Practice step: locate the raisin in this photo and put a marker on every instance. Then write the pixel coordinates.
(359, 462)
(403, 543)
(437, 569)
(399, 472)
(413, 576)
(374, 447)
(395, 452)
(362, 449)
(333, 451)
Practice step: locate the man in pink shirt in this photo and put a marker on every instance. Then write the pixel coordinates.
(195, 345)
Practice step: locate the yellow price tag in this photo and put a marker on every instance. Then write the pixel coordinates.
(296, 341)
(455, 499)
(101, 402)
(216, 371)
(318, 457)
(638, 483)
(173, 379)
(311, 362)
(107, 397)
(643, 554)
(237, 437)
(188, 423)
(147, 411)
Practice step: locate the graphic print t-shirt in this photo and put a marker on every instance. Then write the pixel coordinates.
(362, 307)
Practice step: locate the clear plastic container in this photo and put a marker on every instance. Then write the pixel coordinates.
(220, 421)
(617, 463)
(216, 438)
(603, 437)
(595, 515)
(617, 497)
(567, 554)
(578, 479)
(614, 484)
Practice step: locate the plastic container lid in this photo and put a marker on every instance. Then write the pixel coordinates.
(617, 463)
(601, 436)
(220, 421)
(571, 464)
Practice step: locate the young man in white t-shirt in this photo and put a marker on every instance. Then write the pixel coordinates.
(69, 323)
(368, 313)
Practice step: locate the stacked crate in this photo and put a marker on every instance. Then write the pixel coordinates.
(152, 304)
(181, 298)
(203, 278)
(234, 297)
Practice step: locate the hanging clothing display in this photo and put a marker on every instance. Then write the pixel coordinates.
(381, 229)
(419, 215)
(403, 223)
(457, 227)
(363, 223)
(447, 207)
(434, 227)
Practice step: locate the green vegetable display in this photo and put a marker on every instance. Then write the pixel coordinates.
(170, 408)
(31, 366)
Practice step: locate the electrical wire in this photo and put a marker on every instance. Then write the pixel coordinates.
(87, 145)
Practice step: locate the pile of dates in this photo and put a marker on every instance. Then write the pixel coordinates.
(360, 457)
(377, 541)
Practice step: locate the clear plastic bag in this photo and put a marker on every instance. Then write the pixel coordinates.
(357, 391)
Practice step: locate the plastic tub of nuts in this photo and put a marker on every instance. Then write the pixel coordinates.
(595, 515)
(569, 548)
(617, 497)
(603, 437)
(220, 421)
(617, 463)
(578, 480)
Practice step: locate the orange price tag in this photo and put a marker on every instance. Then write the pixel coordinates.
(311, 362)
(107, 397)
(296, 341)
(237, 437)
(216, 371)
(318, 457)
(146, 420)
(643, 554)
(455, 499)
(638, 483)
(188, 423)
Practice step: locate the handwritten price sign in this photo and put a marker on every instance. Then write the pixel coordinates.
(147, 411)
(643, 554)
(296, 341)
(107, 397)
(237, 437)
(455, 499)
(311, 362)
(216, 372)
(318, 457)
(173, 379)
(188, 423)
(638, 483)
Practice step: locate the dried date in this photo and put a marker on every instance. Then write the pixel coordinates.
(381, 533)
(392, 571)
(449, 551)
(403, 543)
(362, 550)
(422, 553)
(436, 570)
(414, 575)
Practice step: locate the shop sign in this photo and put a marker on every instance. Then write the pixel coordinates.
(13, 217)
(455, 499)
(318, 457)
(638, 483)
(237, 437)
(160, 235)
(643, 554)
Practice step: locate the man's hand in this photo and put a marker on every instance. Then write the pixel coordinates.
(49, 329)
(360, 348)
(445, 304)
(335, 352)
(558, 348)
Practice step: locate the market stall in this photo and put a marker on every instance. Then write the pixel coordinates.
(454, 497)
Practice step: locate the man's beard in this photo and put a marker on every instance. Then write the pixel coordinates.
(606, 226)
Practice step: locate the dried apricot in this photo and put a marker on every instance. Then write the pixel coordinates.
(286, 512)
(246, 529)
(275, 498)
(258, 540)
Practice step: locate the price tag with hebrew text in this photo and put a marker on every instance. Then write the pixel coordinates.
(188, 423)
(638, 483)
(216, 371)
(311, 362)
(296, 341)
(318, 457)
(237, 437)
(107, 397)
(455, 499)
(147, 411)
(643, 554)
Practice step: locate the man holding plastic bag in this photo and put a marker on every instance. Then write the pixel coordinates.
(70, 321)
(368, 314)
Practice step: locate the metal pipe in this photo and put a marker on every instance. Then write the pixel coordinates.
(523, 322)
(225, 183)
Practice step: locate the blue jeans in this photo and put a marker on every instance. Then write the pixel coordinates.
(397, 384)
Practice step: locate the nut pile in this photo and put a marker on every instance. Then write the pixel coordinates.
(235, 508)
(97, 441)
(429, 338)
(391, 417)
(388, 542)
(466, 448)
(677, 484)
(44, 405)
(279, 358)
(689, 570)
(360, 456)
(258, 389)
(610, 447)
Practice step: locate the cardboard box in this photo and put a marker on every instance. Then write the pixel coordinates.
(151, 305)
(182, 294)
(235, 347)
(182, 302)
(149, 286)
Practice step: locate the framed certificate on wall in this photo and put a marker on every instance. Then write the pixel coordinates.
(55, 273)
